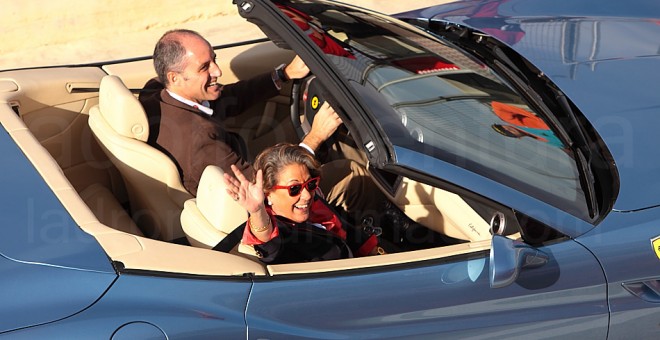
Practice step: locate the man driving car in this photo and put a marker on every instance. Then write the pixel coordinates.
(186, 106)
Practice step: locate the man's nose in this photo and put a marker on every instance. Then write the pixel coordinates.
(215, 70)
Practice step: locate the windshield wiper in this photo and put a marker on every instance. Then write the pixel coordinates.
(581, 149)
(440, 99)
(587, 181)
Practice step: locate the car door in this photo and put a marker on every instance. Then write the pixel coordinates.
(437, 297)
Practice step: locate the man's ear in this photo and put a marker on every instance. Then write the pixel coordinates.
(173, 78)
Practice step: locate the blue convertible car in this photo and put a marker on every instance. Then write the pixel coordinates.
(515, 140)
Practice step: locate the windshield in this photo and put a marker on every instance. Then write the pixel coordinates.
(445, 103)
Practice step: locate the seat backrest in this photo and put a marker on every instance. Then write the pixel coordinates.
(207, 219)
(152, 180)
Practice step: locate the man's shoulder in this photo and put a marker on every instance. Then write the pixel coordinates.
(152, 96)
(151, 91)
(153, 84)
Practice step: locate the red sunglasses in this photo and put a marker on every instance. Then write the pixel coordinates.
(295, 189)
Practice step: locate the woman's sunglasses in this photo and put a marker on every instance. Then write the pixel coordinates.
(295, 189)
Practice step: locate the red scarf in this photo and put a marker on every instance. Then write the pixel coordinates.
(319, 214)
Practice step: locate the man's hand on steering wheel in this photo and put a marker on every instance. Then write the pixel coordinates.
(325, 120)
(296, 69)
(324, 125)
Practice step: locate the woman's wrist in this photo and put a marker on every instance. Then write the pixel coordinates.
(263, 223)
(260, 229)
(261, 208)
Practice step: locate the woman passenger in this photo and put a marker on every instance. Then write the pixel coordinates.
(289, 221)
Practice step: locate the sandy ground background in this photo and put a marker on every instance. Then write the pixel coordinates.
(38, 33)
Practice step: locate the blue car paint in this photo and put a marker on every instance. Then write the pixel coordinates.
(622, 244)
(451, 296)
(35, 294)
(175, 306)
(541, 8)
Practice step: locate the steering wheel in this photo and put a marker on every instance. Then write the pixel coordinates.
(305, 93)
(309, 95)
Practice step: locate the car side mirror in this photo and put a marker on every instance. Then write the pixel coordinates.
(508, 257)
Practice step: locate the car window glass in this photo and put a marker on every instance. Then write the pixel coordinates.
(453, 107)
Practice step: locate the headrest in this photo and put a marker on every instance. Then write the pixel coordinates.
(122, 110)
(215, 204)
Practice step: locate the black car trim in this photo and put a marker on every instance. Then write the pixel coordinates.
(156, 273)
(413, 264)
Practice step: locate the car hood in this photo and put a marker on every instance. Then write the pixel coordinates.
(606, 59)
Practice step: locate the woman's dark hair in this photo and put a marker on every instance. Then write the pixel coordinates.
(275, 158)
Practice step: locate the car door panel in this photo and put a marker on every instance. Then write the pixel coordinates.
(448, 297)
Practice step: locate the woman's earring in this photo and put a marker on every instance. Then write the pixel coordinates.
(268, 201)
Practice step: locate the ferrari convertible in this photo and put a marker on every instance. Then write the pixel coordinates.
(514, 141)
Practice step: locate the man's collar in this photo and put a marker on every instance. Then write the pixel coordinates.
(204, 107)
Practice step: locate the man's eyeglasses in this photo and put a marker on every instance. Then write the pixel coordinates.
(295, 189)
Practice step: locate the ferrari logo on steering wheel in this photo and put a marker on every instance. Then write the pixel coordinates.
(315, 102)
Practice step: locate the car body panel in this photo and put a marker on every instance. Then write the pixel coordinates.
(640, 9)
(164, 306)
(624, 246)
(452, 298)
(33, 294)
(584, 49)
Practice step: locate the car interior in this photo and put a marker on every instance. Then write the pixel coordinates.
(85, 132)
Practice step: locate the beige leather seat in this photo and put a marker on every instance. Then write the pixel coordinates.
(213, 214)
(154, 187)
(108, 210)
